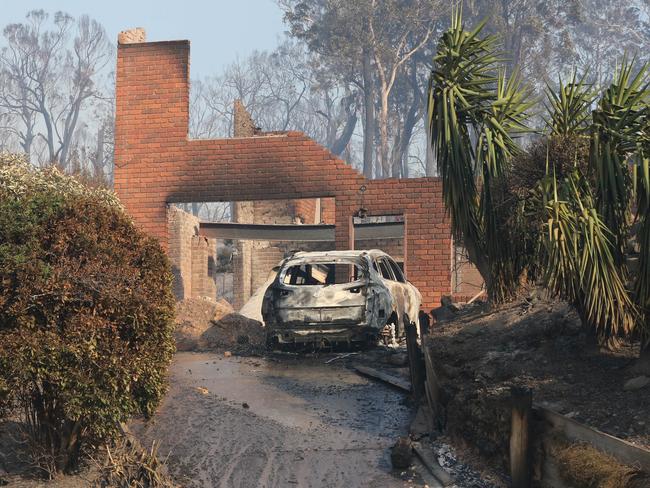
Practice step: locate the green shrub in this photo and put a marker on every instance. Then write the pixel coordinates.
(86, 312)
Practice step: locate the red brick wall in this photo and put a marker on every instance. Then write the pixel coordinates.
(328, 210)
(394, 247)
(156, 163)
(305, 210)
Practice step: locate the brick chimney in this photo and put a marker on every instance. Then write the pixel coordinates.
(132, 36)
(243, 125)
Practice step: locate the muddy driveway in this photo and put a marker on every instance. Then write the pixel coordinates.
(276, 422)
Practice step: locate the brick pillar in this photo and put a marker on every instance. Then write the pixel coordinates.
(199, 266)
(151, 120)
(182, 226)
(211, 282)
(203, 267)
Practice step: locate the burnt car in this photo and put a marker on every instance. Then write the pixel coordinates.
(339, 297)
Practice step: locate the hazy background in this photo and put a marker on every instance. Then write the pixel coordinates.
(220, 30)
(351, 74)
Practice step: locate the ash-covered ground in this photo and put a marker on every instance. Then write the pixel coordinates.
(278, 421)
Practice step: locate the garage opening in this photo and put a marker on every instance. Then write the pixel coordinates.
(228, 250)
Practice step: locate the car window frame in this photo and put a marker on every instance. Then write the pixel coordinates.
(381, 261)
(290, 273)
(396, 269)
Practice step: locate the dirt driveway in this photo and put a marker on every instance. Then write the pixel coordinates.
(276, 422)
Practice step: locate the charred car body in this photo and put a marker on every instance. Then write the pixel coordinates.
(338, 296)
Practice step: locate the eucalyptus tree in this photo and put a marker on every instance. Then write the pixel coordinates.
(51, 68)
(371, 45)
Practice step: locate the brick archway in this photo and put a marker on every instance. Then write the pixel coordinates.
(156, 164)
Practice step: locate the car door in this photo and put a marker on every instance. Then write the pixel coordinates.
(411, 296)
(380, 298)
(391, 281)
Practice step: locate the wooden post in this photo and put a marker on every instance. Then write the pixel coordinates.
(432, 388)
(520, 468)
(416, 362)
(424, 323)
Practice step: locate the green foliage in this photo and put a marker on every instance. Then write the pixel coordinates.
(617, 122)
(587, 212)
(577, 256)
(85, 311)
(474, 113)
(569, 107)
(641, 192)
(563, 209)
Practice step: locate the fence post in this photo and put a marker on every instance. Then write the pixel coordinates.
(416, 361)
(520, 468)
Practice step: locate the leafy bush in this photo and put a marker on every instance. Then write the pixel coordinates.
(86, 312)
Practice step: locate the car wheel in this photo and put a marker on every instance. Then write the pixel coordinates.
(271, 342)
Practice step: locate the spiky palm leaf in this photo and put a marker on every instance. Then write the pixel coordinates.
(617, 123)
(582, 258)
(641, 172)
(505, 118)
(459, 90)
(570, 106)
(577, 257)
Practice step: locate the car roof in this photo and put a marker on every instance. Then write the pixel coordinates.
(352, 253)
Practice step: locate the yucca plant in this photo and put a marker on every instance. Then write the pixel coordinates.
(569, 107)
(577, 212)
(474, 112)
(577, 257)
(580, 258)
(595, 205)
(641, 178)
(616, 126)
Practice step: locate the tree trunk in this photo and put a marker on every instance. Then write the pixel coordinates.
(99, 154)
(26, 144)
(369, 116)
(50, 137)
(400, 163)
(430, 162)
(396, 152)
(28, 139)
(383, 134)
(481, 263)
(341, 142)
(405, 160)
